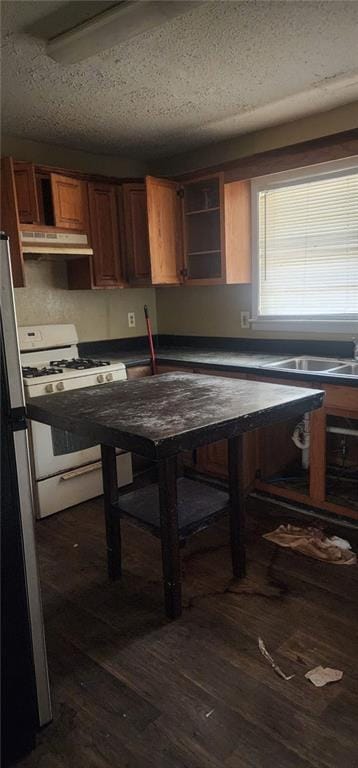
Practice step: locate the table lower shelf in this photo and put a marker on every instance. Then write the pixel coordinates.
(198, 505)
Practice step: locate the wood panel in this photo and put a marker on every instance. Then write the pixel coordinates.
(26, 192)
(136, 233)
(321, 150)
(212, 459)
(290, 494)
(165, 238)
(237, 212)
(69, 197)
(10, 220)
(318, 455)
(339, 396)
(80, 274)
(107, 263)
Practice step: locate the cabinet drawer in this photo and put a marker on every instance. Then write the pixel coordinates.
(216, 372)
(138, 371)
(174, 369)
(345, 398)
(288, 382)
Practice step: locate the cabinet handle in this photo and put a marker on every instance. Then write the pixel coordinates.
(81, 471)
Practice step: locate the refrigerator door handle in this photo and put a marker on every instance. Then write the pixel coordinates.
(17, 419)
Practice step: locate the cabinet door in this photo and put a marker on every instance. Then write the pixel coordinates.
(26, 193)
(69, 202)
(213, 459)
(136, 233)
(237, 210)
(203, 220)
(165, 241)
(103, 206)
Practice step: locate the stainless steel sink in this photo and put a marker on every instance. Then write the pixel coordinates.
(307, 364)
(349, 369)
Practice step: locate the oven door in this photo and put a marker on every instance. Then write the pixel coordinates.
(55, 450)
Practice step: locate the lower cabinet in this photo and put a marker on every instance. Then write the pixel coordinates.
(212, 459)
(273, 463)
(326, 481)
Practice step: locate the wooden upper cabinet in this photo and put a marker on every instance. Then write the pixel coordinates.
(204, 244)
(164, 230)
(216, 227)
(136, 233)
(69, 202)
(105, 235)
(199, 231)
(26, 193)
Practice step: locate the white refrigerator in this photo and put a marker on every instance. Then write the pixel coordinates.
(17, 518)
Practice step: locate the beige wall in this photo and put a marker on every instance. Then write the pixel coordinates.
(53, 154)
(96, 314)
(215, 311)
(323, 124)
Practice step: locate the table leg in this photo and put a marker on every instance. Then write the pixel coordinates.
(113, 525)
(167, 479)
(237, 505)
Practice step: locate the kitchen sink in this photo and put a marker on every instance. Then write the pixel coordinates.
(308, 364)
(350, 369)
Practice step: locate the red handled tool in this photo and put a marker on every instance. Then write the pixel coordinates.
(150, 340)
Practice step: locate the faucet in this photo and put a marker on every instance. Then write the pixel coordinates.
(355, 348)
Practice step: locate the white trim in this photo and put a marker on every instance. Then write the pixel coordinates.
(328, 324)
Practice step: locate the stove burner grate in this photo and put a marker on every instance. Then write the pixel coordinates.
(80, 363)
(29, 372)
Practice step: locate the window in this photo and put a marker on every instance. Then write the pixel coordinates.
(305, 240)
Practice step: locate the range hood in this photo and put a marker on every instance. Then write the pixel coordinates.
(52, 244)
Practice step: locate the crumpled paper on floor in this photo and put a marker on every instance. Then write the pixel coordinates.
(320, 676)
(313, 542)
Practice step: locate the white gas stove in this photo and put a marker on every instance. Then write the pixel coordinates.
(66, 467)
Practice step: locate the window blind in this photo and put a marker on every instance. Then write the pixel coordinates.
(308, 248)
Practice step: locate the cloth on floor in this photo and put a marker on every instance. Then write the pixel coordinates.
(313, 542)
(320, 676)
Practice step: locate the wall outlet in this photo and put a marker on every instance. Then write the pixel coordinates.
(244, 316)
(131, 319)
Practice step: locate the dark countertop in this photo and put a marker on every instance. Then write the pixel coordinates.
(247, 362)
(162, 415)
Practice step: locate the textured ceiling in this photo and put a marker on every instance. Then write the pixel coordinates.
(221, 69)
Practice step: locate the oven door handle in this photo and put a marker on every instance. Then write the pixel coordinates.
(82, 471)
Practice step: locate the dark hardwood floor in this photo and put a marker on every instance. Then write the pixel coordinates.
(133, 690)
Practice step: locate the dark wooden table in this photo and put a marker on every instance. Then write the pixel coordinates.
(158, 417)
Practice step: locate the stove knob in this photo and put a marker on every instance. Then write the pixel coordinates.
(49, 388)
(109, 376)
(100, 378)
(60, 386)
